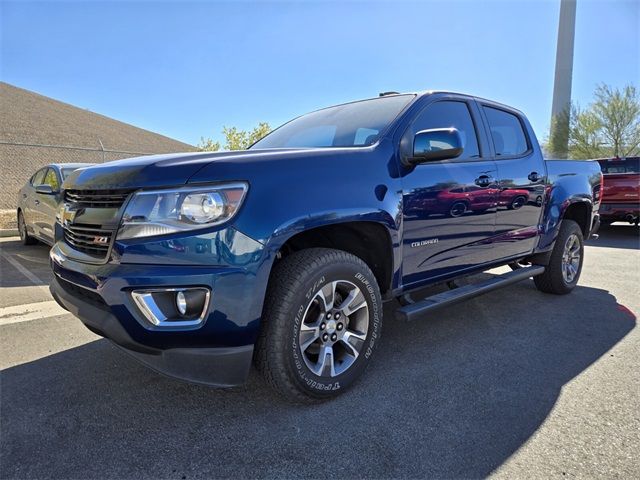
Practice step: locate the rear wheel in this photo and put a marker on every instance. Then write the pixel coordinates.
(25, 238)
(322, 319)
(565, 265)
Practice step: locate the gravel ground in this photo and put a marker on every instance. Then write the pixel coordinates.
(513, 384)
(8, 219)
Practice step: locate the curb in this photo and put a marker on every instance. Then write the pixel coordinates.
(8, 232)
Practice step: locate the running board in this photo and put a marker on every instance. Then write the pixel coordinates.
(415, 310)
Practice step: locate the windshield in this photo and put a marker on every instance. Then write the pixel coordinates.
(67, 171)
(356, 124)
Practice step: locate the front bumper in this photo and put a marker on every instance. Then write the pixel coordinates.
(218, 366)
(216, 352)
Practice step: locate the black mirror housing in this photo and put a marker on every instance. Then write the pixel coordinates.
(45, 189)
(436, 144)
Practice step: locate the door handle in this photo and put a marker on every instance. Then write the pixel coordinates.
(483, 181)
(534, 177)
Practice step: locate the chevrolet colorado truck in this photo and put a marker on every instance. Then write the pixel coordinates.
(201, 264)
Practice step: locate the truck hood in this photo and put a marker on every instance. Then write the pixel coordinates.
(156, 171)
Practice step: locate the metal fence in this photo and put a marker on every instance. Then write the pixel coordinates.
(18, 161)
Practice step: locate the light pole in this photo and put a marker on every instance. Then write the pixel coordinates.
(561, 106)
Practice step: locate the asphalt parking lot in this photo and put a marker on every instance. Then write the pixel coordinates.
(515, 383)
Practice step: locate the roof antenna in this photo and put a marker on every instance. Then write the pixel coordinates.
(384, 94)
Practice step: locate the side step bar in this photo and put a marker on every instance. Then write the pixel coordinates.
(416, 310)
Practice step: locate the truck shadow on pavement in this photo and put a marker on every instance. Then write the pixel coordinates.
(617, 236)
(453, 395)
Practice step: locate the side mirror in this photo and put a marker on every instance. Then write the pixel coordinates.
(44, 189)
(436, 144)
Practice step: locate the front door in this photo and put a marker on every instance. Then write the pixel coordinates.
(47, 205)
(32, 212)
(448, 206)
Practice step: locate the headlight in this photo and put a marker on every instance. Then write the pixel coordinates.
(160, 212)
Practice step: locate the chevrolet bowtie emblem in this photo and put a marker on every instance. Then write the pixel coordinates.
(68, 215)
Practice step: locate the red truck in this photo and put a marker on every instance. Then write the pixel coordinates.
(621, 192)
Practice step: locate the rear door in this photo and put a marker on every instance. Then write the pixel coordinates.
(448, 205)
(522, 177)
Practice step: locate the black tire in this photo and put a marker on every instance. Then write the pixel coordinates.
(517, 203)
(458, 209)
(294, 286)
(25, 238)
(553, 280)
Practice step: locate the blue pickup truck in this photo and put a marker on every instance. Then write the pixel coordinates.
(201, 264)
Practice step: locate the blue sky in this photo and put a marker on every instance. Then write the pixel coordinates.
(185, 69)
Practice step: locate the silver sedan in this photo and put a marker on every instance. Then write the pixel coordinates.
(38, 202)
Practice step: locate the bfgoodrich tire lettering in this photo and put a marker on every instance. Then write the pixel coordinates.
(285, 355)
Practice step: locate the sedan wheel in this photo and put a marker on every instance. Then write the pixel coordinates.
(25, 238)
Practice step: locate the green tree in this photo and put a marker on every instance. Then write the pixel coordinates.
(585, 135)
(208, 145)
(608, 127)
(236, 139)
(618, 112)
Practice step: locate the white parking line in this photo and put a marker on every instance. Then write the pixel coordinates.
(32, 311)
(35, 280)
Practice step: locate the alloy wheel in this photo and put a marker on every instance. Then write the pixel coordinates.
(571, 258)
(334, 328)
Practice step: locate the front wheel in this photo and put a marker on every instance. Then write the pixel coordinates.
(565, 265)
(321, 321)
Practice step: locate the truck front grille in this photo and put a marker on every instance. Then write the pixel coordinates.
(92, 241)
(96, 198)
(87, 232)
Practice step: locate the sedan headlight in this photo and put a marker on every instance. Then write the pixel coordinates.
(160, 212)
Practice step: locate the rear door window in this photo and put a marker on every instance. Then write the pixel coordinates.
(507, 133)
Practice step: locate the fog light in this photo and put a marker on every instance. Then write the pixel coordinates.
(181, 302)
(173, 307)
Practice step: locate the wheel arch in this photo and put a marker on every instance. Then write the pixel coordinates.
(368, 240)
(579, 212)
